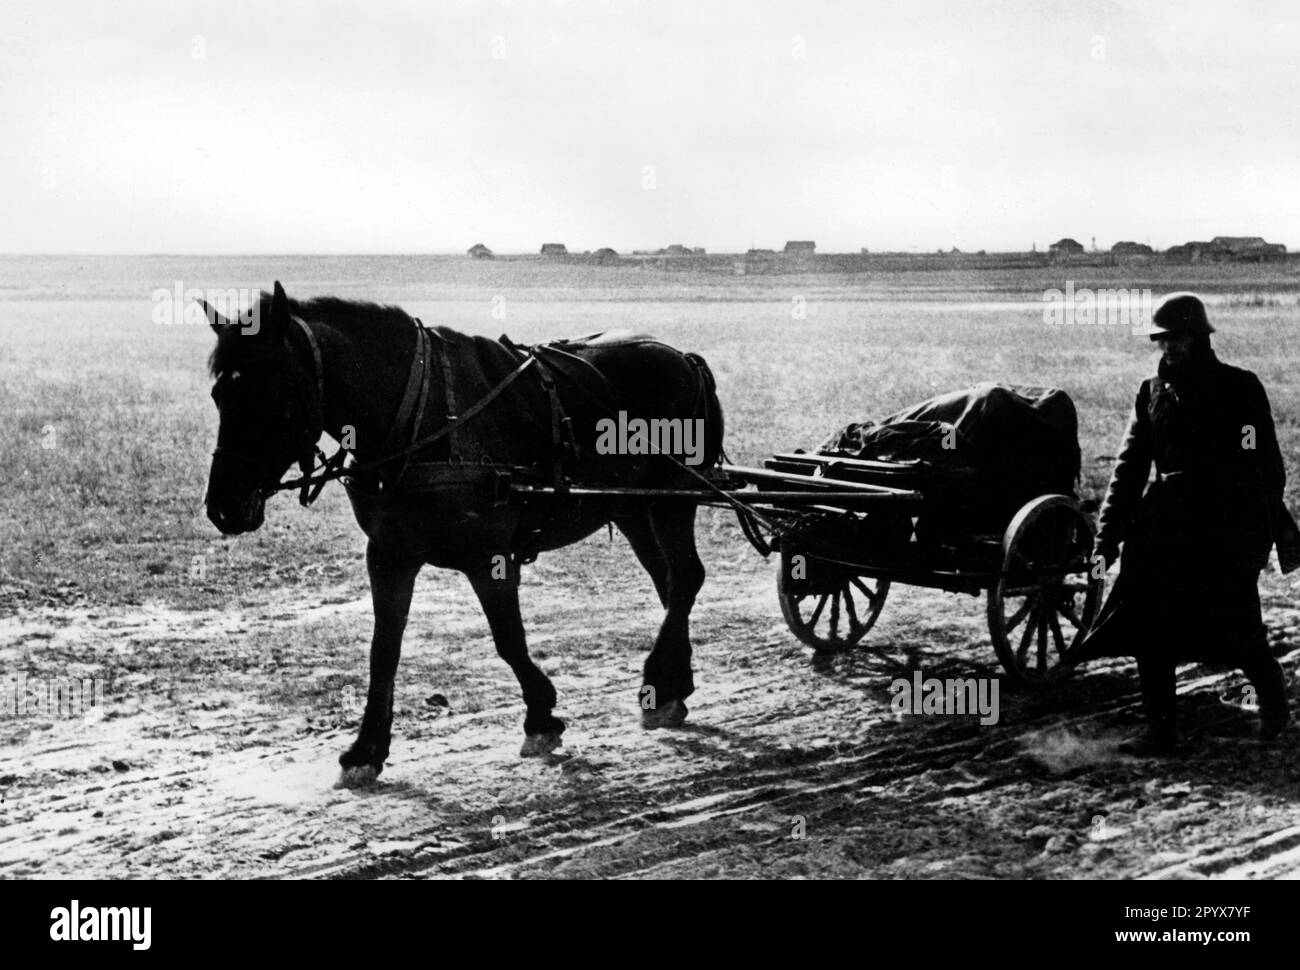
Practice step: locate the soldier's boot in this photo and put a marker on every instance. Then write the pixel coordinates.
(1159, 695)
(1153, 742)
(1270, 690)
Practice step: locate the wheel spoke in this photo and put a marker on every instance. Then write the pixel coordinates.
(1042, 642)
(821, 605)
(1067, 610)
(853, 613)
(835, 615)
(871, 597)
(1022, 652)
(1056, 635)
(1014, 620)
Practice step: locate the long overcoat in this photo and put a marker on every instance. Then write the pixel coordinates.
(1195, 538)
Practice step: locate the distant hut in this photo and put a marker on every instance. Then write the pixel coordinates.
(1066, 248)
(479, 251)
(1188, 252)
(606, 257)
(800, 253)
(1246, 249)
(1227, 249)
(555, 250)
(1131, 252)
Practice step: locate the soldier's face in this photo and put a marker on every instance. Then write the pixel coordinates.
(1174, 350)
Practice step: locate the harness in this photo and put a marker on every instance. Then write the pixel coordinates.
(431, 354)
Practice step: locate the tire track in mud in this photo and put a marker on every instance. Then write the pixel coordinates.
(812, 779)
(231, 778)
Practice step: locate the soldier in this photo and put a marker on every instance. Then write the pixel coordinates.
(1195, 542)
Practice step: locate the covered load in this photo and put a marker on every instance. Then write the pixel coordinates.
(981, 452)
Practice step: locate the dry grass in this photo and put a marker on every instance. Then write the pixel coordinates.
(112, 512)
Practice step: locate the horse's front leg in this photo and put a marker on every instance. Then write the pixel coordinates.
(392, 578)
(498, 592)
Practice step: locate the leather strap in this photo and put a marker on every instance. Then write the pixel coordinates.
(416, 381)
(317, 366)
(419, 404)
(462, 419)
(559, 423)
(448, 393)
(416, 391)
(312, 453)
(608, 401)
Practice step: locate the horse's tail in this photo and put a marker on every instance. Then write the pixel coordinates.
(708, 407)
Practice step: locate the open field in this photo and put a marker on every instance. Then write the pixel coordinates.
(230, 663)
(113, 507)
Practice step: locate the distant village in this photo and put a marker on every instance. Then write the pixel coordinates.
(800, 255)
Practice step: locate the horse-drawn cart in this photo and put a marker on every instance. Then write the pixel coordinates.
(996, 514)
(986, 504)
(838, 559)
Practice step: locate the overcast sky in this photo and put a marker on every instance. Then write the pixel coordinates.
(275, 127)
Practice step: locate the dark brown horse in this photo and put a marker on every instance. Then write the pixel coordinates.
(376, 381)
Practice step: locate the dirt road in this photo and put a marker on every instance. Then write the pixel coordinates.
(215, 751)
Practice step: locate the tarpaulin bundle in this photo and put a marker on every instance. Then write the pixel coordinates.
(1004, 445)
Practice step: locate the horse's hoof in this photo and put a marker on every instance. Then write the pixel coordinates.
(359, 776)
(671, 715)
(540, 745)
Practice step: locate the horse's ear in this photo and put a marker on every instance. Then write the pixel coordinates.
(215, 320)
(279, 322)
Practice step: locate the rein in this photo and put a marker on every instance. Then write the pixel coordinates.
(317, 470)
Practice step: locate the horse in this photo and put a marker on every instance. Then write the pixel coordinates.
(466, 453)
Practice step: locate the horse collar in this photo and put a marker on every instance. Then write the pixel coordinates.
(317, 366)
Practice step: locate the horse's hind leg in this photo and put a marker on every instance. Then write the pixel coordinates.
(664, 542)
(392, 580)
(499, 598)
(641, 537)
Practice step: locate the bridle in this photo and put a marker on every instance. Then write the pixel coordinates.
(311, 452)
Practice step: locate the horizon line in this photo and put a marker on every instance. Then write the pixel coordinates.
(5, 254)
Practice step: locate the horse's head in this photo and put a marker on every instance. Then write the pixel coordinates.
(268, 410)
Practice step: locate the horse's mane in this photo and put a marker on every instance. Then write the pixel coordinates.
(347, 314)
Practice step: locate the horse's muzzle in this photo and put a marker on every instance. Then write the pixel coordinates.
(232, 516)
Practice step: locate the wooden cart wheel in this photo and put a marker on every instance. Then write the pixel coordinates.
(1047, 596)
(825, 606)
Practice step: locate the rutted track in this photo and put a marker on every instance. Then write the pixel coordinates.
(217, 752)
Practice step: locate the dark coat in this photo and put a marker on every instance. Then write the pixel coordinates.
(1197, 537)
